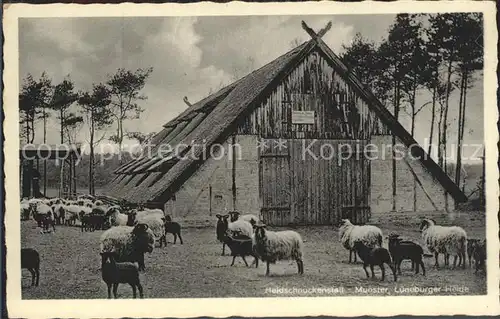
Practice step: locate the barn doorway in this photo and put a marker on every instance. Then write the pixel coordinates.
(306, 183)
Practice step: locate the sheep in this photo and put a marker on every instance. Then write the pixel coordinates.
(479, 256)
(47, 221)
(116, 218)
(377, 256)
(174, 228)
(98, 203)
(238, 226)
(220, 229)
(30, 259)
(370, 235)
(94, 220)
(129, 243)
(472, 243)
(448, 240)
(75, 212)
(25, 210)
(59, 213)
(272, 246)
(241, 245)
(115, 273)
(44, 216)
(404, 249)
(252, 219)
(85, 202)
(86, 197)
(155, 221)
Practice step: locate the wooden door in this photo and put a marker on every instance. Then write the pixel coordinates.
(274, 180)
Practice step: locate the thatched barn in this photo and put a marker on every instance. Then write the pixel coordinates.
(274, 143)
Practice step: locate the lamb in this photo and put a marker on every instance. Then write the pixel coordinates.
(116, 218)
(129, 243)
(376, 256)
(252, 219)
(241, 245)
(115, 273)
(371, 236)
(472, 243)
(272, 246)
(448, 240)
(174, 228)
(245, 228)
(404, 249)
(156, 223)
(30, 259)
(479, 256)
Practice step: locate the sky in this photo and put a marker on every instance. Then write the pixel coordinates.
(191, 56)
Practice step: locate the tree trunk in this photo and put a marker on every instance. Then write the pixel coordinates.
(91, 157)
(445, 116)
(433, 119)
(62, 126)
(412, 102)
(440, 135)
(44, 160)
(396, 115)
(459, 132)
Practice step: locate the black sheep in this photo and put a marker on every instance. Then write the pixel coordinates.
(30, 259)
(115, 273)
(241, 245)
(172, 228)
(374, 257)
(221, 228)
(479, 256)
(404, 249)
(472, 243)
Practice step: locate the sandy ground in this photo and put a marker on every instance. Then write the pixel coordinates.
(70, 268)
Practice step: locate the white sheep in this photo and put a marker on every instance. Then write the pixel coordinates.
(116, 218)
(98, 203)
(252, 219)
(155, 222)
(447, 240)
(242, 227)
(74, 212)
(25, 210)
(371, 236)
(44, 216)
(272, 246)
(128, 243)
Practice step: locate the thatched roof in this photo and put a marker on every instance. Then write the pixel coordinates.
(211, 120)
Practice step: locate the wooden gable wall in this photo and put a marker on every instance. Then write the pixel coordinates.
(313, 86)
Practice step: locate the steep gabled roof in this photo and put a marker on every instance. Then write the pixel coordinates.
(212, 119)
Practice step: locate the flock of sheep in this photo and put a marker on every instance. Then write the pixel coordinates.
(130, 233)
(366, 241)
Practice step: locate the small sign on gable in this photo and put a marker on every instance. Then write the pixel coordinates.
(302, 117)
